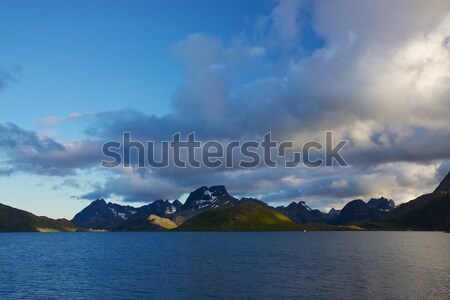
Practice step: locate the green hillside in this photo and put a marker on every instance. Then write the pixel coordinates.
(16, 220)
(249, 217)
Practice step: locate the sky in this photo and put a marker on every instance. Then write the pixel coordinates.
(74, 74)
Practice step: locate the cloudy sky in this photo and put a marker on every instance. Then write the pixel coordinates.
(74, 74)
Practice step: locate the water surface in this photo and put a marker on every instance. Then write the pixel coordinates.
(244, 265)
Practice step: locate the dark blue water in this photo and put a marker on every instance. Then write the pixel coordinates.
(279, 265)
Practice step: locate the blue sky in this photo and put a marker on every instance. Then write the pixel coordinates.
(77, 73)
(91, 56)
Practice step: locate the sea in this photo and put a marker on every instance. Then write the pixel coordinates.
(225, 265)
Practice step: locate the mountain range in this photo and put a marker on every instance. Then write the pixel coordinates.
(214, 209)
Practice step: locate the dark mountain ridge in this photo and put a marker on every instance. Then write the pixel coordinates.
(426, 212)
(444, 186)
(357, 210)
(301, 213)
(17, 220)
(109, 216)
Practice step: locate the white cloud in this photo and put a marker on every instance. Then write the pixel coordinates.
(381, 80)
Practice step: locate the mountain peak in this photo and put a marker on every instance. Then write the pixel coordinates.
(444, 185)
(177, 203)
(218, 190)
(212, 197)
(381, 203)
(98, 202)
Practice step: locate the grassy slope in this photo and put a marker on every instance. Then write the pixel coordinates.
(161, 222)
(16, 220)
(249, 217)
(151, 223)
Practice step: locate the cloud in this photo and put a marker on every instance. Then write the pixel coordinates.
(380, 24)
(257, 51)
(13, 138)
(26, 151)
(7, 77)
(381, 85)
(379, 79)
(53, 120)
(67, 182)
(6, 172)
(97, 194)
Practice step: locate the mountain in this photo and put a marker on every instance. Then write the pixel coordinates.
(102, 215)
(250, 217)
(444, 185)
(381, 203)
(16, 220)
(150, 223)
(213, 208)
(245, 217)
(177, 204)
(253, 201)
(356, 211)
(302, 213)
(333, 214)
(161, 222)
(427, 212)
(109, 216)
(205, 198)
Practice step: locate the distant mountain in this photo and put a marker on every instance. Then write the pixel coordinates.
(427, 212)
(248, 217)
(333, 214)
(109, 216)
(381, 203)
(253, 201)
(213, 208)
(302, 213)
(102, 215)
(356, 211)
(207, 205)
(161, 222)
(150, 223)
(205, 198)
(16, 220)
(177, 204)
